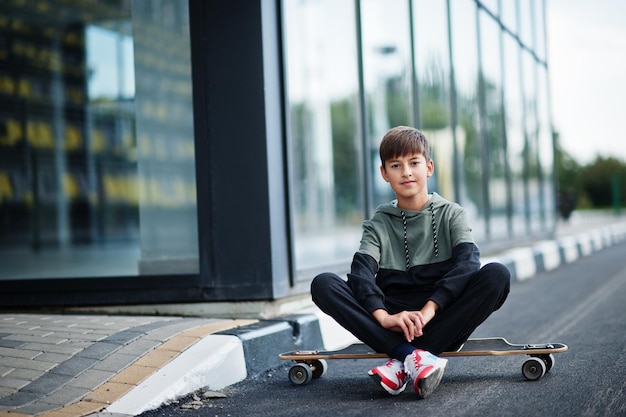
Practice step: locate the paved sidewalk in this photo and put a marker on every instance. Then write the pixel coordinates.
(54, 365)
(62, 365)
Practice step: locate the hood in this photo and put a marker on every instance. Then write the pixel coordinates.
(391, 208)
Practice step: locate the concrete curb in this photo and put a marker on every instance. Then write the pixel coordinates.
(219, 360)
(253, 349)
(524, 263)
(186, 373)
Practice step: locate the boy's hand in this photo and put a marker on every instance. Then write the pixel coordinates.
(410, 323)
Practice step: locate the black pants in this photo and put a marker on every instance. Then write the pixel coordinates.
(448, 330)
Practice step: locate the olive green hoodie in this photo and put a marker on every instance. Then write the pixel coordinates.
(435, 242)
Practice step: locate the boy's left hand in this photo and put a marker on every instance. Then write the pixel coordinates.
(410, 323)
(424, 316)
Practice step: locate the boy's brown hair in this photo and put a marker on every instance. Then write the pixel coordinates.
(402, 141)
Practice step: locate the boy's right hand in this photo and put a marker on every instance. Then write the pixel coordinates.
(410, 323)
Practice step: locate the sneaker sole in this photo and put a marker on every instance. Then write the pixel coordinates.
(379, 381)
(425, 386)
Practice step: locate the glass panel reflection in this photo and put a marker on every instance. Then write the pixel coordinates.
(493, 126)
(325, 152)
(387, 71)
(87, 154)
(546, 148)
(531, 156)
(465, 61)
(515, 131)
(433, 75)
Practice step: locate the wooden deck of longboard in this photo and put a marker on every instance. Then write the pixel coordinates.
(473, 347)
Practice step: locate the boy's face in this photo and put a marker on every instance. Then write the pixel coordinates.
(407, 176)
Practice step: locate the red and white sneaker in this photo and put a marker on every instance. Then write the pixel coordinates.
(391, 376)
(426, 370)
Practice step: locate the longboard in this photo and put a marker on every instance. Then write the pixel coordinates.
(312, 364)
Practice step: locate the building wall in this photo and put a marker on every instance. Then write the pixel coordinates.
(184, 151)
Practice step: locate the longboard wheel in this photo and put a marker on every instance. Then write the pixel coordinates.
(300, 374)
(319, 367)
(533, 369)
(547, 359)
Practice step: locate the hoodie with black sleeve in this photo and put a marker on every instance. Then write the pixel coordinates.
(406, 254)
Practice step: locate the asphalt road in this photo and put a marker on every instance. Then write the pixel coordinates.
(582, 304)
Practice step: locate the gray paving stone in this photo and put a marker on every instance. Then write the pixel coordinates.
(46, 384)
(25, 331)
(14, 383)
(52, 357)
(66, 395)
(73, 366)
(82, 344)
(66, 348)
(25, 374)
(19, 353)
(139, 347)
(6, 391)
(103, 329)
(169, 331)
(146, 328)
(103, 333)
(19, 399)
(86, 336)
(99, 350)
(26, 364)
(95, 335)
(5, 370)
(160, 335)
(36, 339)
(113, 324)
(36, 408)
(11, 343)
(115, 363)
(65, 328)
(91, 378)
(124, 337)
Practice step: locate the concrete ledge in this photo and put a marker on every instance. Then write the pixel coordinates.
(216, 361)
(263, 341)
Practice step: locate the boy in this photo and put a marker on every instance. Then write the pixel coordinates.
(416, 287)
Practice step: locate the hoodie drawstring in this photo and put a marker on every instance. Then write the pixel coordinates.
(406, 242)
(434, 224)
(431, 208)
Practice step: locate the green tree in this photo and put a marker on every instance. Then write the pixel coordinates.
(597, 181)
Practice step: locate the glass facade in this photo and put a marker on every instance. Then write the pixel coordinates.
(96, 140)
(470, 74)
(156, 151)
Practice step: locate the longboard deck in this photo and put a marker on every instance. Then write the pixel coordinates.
(311, 364)
(493, 346)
